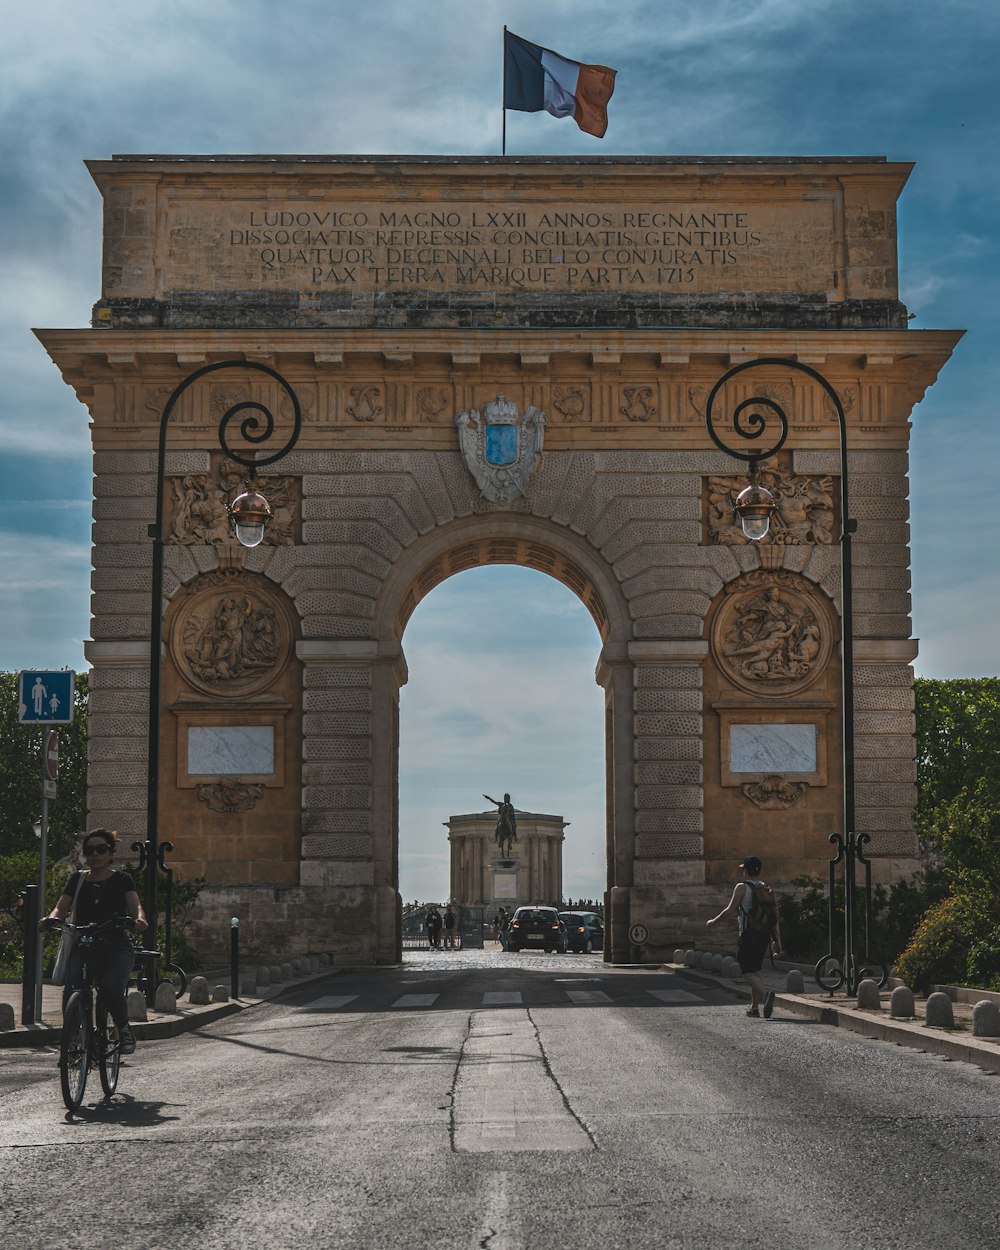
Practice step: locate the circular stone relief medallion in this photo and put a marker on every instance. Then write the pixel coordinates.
(771, 635)
(231, 637)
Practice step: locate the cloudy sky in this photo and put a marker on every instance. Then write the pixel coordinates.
(519, 709)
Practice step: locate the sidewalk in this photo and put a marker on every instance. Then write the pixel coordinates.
(837, 1009)
(159, 1025)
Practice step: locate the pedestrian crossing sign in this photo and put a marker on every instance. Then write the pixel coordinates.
(45, 698)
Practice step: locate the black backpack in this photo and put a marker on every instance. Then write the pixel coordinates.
(763, 913)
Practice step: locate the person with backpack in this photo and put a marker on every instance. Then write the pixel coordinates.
(449, 929)
(757, 914)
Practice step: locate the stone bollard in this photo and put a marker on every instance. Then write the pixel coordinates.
(220, 994)
(689, 961)
(299, 966)
(717, 962)
(198, 992)
(248, 986)
(795, 982)
(324, 961)
(901, 1004)
(940, 1013)
(274, 972)
(678, 956)
(166, 999)
(869, 998)
(986, 1019)
(732, 968)
(7, 1020)
(286, 972)
(136, 1004)
(263, 976)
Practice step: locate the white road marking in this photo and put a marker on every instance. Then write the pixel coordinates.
(331, 1002)
(503, 998)
(416, 1000)
(675, 996)
(587, 996)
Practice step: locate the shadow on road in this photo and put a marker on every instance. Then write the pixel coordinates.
(125, 1111)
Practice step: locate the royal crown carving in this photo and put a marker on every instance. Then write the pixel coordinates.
(500, 447)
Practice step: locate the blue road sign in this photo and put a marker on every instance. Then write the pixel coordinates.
(45, 698)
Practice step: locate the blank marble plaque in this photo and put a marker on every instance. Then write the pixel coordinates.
(228, 750)
(772, 748)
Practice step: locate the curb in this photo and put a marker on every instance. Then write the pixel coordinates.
(164, 1026)
(951, 1045)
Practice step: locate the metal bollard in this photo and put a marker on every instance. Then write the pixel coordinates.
(234, 957)
(30, 971)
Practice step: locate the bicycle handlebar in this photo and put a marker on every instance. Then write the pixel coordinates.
(92, 929)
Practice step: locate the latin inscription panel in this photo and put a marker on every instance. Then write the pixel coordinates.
(218, 750)
(772, 748)
(455, 246)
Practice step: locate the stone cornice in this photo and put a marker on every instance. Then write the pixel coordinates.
(89, 356)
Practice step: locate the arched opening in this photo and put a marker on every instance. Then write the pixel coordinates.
(485, 543)
(501, 697)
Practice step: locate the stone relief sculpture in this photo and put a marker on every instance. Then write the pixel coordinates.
(774, 793)
(638, 403)
(229, 795)
(501, 448)
(770, 635)
(199, 513)
(366, 406)
(430, 401)
(804, 508)
(568, 400)
(232, 637)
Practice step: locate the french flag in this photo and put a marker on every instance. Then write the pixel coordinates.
(537, 78)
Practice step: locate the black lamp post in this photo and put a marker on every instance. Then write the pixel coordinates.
(751, 420)
(249, 513)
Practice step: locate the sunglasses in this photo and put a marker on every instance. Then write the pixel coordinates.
(96, 848)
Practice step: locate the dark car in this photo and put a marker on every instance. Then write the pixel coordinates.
(584, 930)
(534, 927)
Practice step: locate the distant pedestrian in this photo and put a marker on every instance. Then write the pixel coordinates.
(433, 928)
(500, 926)
(757, 916)
(449, 929)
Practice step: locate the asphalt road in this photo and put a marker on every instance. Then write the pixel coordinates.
(544, 1103)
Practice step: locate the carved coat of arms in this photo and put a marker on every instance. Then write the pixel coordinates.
(500, 447)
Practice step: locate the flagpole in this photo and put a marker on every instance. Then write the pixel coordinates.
(503, 98)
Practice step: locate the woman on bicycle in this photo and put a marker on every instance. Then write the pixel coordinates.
(104, 893)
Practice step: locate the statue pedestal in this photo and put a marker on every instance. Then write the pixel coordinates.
(505, 882)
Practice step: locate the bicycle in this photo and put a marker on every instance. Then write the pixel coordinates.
(89, 1036)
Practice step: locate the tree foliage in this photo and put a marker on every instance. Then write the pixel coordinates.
(21, 778)
(958, 743)
(958, 818)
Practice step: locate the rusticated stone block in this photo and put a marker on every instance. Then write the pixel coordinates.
(663, 699)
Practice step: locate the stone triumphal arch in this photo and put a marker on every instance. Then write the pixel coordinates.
(497, 361)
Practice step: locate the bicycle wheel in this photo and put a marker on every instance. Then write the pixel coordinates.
(109, 1055)
(74, 1050)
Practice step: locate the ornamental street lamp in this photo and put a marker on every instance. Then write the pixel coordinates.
(249, 513)
(751, 419)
